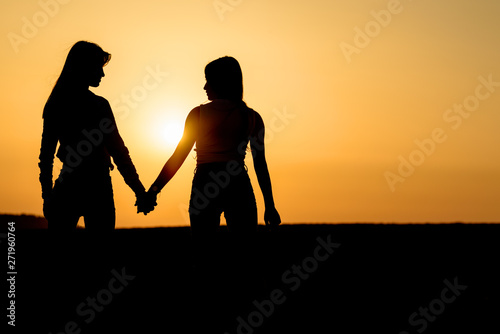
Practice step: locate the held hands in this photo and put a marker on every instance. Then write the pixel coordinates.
(146, 202)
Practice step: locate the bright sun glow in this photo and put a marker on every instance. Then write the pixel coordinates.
(172, 132)
(165, 128)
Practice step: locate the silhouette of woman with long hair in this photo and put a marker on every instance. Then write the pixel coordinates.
(85, 128)
(222, 130)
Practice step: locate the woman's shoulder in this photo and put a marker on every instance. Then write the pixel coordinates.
(195, 110)
(256, 118)
(253, 113)
(206, 107)
(220, 104)
(99, 102)
(97, 98)
(193, 115)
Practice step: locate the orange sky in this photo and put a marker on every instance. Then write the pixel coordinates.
(377, 111)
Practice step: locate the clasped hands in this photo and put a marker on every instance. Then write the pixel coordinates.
(146, 202)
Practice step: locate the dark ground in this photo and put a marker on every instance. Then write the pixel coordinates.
(372, 283)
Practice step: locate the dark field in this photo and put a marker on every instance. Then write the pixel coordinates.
(352, 279)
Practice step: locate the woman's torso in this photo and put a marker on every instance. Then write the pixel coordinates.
(78, 126)
(223, 130)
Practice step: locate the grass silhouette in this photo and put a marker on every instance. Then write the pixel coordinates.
(379, 275)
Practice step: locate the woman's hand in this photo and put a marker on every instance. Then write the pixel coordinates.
(146, 202)
(272, 217)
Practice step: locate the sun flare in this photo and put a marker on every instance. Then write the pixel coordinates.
(171, 132)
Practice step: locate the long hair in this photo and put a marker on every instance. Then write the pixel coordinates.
(225, 78)
(82, 57)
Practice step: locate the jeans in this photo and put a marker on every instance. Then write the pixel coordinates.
(222, 187)
(86, 193)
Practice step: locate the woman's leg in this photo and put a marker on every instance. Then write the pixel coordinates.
(63, 213)
(204, 216)
(99, 216)
(98, 203)
(240, 208)
(62, 216)
(240, 211)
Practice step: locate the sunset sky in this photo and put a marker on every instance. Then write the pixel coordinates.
(376, 111)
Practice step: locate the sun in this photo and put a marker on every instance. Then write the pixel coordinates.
(165, 128)
(171, 132)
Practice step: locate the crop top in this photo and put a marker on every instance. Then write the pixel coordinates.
(223, 131)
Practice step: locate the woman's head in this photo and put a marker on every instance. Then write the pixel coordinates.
(83, 68)
(224, 79)
(84, 64)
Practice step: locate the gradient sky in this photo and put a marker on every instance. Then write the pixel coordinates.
(377, 111)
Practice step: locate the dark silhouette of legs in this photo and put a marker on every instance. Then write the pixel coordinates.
(225, 270)
(80, 258)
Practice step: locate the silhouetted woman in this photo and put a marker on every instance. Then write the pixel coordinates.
(84, 126)
(222, 130)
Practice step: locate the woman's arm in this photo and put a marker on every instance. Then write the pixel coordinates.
(181, 152)
(271, 215)
(47, 151)
(46, 164)
(120, 153)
